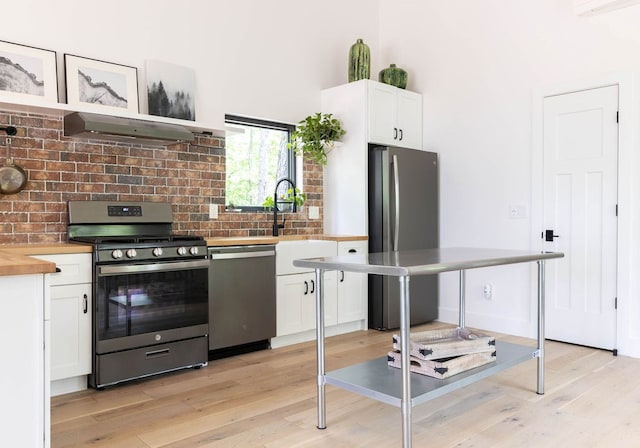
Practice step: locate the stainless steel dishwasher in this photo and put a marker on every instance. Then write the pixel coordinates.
(242, 298)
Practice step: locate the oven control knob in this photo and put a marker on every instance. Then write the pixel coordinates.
(157, 251)
(193, 251)
(182, 251)
(116, 254)
(131, 253)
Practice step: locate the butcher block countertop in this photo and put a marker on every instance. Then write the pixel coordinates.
(15, 264)
(15, 259)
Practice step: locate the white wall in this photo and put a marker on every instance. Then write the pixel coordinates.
(260, 58)
(479, 66)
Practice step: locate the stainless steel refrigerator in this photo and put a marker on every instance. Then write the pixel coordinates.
(403, 215)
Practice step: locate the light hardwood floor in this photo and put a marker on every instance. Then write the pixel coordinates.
(267, 399)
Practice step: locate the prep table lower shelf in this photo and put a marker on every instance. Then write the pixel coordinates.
(376, 379)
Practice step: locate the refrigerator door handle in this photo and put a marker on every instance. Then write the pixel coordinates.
(396, 205)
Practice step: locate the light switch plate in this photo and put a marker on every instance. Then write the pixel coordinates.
(314, 212)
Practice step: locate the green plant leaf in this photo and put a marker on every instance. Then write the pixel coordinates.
(314, 134)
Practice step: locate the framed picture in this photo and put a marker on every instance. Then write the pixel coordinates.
(27, 73)
(100, 85)
(171, 90)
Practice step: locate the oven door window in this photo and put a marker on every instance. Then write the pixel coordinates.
(149, 302)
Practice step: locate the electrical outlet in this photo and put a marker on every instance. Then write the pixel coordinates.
(314, 212)
(488, 291)
(213, 211)
(517, 211)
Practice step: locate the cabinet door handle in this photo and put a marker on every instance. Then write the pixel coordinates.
(85, 304)
(306, 287)
(313, 286)
(395, 133)
(341, 276)
(400, 134)
(352, 251)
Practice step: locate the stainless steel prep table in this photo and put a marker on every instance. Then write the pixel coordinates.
(375, 379)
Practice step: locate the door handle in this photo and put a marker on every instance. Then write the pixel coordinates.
(400, 135)
(395, 133)
(306, 287)
(396, 204)
(549, 236)
(85, 304)
(313, 286)
(341, 276)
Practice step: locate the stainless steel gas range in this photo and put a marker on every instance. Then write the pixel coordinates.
(150, 290)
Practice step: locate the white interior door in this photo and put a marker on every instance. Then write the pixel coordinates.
(580, 200)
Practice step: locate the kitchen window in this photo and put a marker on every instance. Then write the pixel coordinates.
(256, 157)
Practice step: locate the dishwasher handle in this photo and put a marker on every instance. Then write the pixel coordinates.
(238, 255)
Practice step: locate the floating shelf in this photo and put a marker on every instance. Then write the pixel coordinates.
(61, 109)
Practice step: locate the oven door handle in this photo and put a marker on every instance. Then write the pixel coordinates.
(152, 267)
(238, 255)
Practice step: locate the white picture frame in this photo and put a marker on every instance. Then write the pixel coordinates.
(101, 86)
(27, 74)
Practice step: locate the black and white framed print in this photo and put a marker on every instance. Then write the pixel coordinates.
(171, 90)
(100, 85)
(27, 73)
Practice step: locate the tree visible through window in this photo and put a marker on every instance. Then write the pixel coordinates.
(256, 156)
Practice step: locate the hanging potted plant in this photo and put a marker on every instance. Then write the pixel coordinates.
(315, 136)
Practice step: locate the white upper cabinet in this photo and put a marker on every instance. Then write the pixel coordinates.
(395, 116)
(370, 112)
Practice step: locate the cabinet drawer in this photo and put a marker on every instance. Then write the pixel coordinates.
(353, 247)
(74, 268)
(287, 251)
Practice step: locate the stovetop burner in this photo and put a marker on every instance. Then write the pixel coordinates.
(122, 232)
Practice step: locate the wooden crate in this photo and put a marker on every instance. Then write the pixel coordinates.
(446, 367)
(446, 343)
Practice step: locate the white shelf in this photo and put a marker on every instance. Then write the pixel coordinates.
(61, 109)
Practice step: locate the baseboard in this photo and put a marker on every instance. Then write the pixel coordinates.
(515, 327)
(310, 335)
(68, 385)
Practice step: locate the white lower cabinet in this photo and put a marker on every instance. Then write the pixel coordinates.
(352, 300)
(345, 301)
(24, 411)
(70, 331)
(71, 337)
(296, 302)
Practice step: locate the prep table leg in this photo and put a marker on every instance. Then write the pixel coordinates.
(462, 297)
(406, 373)
(322, 417)
(541, 292)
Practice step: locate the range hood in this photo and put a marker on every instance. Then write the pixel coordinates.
(96, 126)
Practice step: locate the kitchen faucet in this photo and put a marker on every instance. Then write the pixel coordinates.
(277, 226)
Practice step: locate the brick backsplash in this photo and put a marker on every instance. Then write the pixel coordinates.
(189, 176)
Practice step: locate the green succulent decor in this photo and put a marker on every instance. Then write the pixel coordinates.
(288, 197)
(315, 136)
